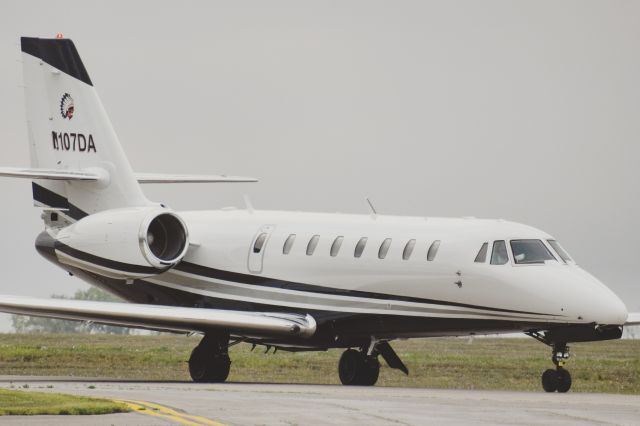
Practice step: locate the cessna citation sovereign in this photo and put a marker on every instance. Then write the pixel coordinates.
(288, 280)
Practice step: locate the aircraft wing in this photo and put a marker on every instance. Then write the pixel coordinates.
(633, 319)
(164, 318)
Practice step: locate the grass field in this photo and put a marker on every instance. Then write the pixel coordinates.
(481, 363)
(20, 403)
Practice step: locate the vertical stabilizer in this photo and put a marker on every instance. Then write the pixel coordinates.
(69, 129)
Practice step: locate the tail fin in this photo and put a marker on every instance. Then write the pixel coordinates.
(69, 130)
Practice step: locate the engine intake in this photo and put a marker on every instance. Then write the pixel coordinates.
(164, 239)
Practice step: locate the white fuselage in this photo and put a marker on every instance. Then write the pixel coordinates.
(451, 286)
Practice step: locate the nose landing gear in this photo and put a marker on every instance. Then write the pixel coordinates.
(559, 379)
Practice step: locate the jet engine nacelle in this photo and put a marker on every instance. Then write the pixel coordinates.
(125, 243)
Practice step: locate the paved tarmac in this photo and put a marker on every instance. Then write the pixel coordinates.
(185, 403)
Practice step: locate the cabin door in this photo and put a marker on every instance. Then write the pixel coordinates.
(258, 247)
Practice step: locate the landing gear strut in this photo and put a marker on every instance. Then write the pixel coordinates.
(209, 361)
(559, 379)
(362, 368)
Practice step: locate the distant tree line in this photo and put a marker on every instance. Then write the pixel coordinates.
(27, 324)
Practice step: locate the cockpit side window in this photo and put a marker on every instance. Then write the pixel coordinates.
(482, 254)
(561, 252)
(499, 255)
(530, 251)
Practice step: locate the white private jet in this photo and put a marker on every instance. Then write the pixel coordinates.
(288, 280)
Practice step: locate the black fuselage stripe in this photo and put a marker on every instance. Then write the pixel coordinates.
(257, 280)
(111, 264)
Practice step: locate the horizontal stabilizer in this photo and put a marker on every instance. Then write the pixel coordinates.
(81, 175)
(169, 178)
(165, 318)
(633, 319)
(50, 174)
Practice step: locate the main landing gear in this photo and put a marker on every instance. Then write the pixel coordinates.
(559, 379)
(362, 368)
(209, 361)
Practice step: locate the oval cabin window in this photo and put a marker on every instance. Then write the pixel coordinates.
(286, 248)
(335, 247)
(313, 243)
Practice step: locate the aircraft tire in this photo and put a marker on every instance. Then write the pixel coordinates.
(550, 380)
(355, 369)
(564, 380)
(371, 371)
(207, 367)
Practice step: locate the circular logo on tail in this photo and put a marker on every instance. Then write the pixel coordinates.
(66, 106)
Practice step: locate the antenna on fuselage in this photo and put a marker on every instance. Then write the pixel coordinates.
(374, 213)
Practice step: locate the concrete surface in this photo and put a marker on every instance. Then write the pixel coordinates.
(281, 404)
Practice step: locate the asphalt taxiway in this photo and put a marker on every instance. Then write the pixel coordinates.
(184, 403)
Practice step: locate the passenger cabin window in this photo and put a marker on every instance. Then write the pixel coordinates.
(482, 254)
(561, 252)
(384, 248)
(499, 255)
(408, 249)
(286, 248)
(313, 243)
(360, 247)
(335, 247)
(433, 250)
(259, 243)
(530, 251)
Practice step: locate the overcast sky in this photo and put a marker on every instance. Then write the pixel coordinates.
(528, 111)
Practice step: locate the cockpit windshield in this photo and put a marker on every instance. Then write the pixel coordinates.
(530, 251)
(561, 252)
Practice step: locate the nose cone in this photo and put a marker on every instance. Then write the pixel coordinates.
(612, 312)
(602, 306)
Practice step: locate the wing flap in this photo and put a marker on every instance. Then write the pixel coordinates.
(161, 317)
(633, 319)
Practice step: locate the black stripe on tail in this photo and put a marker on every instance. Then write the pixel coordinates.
(59, 53)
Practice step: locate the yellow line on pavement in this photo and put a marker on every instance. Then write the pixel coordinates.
(143, 410)
(157, 410)
(170, 411)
